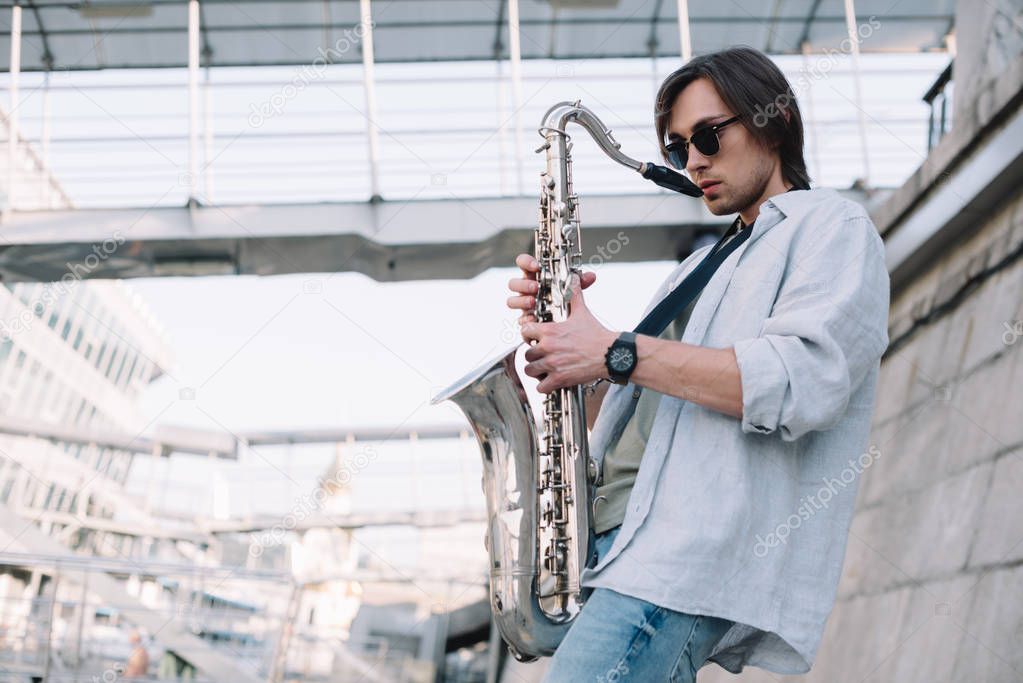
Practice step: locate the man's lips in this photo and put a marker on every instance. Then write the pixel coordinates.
(708, 183)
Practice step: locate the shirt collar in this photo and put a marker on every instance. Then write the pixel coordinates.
(788, 200)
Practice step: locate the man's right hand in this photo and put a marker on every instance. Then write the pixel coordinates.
(525, 287)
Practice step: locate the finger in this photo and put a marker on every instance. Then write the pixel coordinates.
(525, 303)
(576, 301)
(547, 384)
(523, 285)
(588, 279)
(532, 331)
(526, 318)
(527, 263)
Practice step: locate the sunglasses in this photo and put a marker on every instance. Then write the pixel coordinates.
(705, 140)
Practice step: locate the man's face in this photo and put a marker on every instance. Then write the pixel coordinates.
(742, 166)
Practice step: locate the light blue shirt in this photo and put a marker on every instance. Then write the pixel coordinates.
(747, 519)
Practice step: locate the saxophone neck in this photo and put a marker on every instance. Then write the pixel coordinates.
(560, 115)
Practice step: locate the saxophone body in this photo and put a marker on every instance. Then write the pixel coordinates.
(538, 479)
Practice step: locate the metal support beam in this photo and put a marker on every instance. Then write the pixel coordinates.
(369, 86)
(12, 114)
(47, 116)
(515, 45)
(82, 606)
(683, 30)
(502, 96)
(854, 40)
(425, 239)
(653, 44)
(804, 35)
(44, 37)
(193, 100)
(48, 652)
(207, 129)
(811, 119)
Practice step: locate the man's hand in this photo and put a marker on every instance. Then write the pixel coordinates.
(570, 352)
(525, 288)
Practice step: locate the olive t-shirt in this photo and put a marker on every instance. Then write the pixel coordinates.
(622, 458)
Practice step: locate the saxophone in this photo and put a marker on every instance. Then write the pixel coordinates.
(539, 483)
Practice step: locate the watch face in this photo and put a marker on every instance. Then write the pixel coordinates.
(621, 359)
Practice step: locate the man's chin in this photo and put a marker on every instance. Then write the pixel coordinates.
(718, 207)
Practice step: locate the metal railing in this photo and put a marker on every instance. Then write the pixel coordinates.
(939, 99)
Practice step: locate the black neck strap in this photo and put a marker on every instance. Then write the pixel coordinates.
(674, 303)
(680, 297)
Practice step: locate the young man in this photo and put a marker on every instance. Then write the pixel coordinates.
(730, 447)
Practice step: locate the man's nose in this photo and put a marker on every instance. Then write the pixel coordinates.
(696, 161)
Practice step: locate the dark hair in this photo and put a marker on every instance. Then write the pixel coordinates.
(755, 90)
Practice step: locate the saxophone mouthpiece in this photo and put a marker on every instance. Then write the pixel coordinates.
(670, 179)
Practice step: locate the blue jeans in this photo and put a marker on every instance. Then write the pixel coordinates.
(619, 638)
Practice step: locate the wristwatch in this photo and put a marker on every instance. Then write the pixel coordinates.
(620, 358)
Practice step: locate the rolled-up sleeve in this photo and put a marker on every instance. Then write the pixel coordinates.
(826, 330)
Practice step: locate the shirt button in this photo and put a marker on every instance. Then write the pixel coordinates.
(635, 508)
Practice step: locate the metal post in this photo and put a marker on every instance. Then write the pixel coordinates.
(45, 141)
(413, 440)
(811, 119)
(515, 47)
(207, 129)
(369, 84)
(12, 114)
(31, 591)
(193, 99)
(279, 662)
(655, 80)
(854, 39)
(81, 620)
(152, 463)
(49, 625)
(683, 30)
(502, 131)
